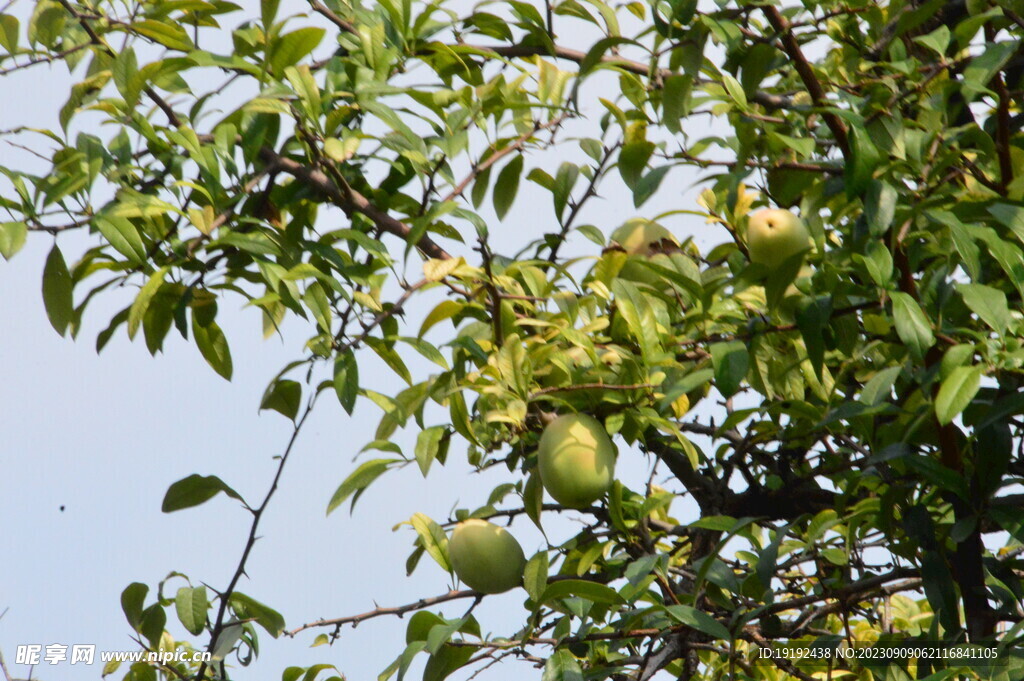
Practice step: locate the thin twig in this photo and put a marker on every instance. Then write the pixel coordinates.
(83, 21)
(400, 610)
(589, 386)
(577, 206)
(257, 514)
(501, 153)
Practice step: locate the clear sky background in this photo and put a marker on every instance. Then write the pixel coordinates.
(103, 436)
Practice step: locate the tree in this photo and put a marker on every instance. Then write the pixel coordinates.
(850, 429)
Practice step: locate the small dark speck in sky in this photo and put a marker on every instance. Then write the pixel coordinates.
(62, 508)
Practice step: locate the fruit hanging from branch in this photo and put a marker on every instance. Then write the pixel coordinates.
(645, 240)
(486, 557)
(774, 235)
(577, 460)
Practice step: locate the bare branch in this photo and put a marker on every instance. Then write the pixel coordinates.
(257, 515)
(400, 610)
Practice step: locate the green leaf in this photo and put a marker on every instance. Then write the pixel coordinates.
(937, 40)
(701, 621)
(346, 379)
(143, 299)
(940, 589)
(912, 326)
(565, 180)
(963, 240)
(988, 303)
(580, 588)
(12, 238)
(880, 206)
(675, 101)
(445, 661)
(596, 53)
(213, 346)
(533, 499)
(433, 539)
(535, 576)
(864, 160)
(562, 666)
(170, 35)
(812, 319)
(132, 600)
(636, 309)
(507, 186)
(47, 23)
(879, 388)
(154, 620)
(735, 91)
(283, 396)
(1011, 216)
(878, 262)
(982, 68)
(247, 607)
(957, 391)
(123, 236)
(195, 490)
(268, 12)
(731, 362)
(633, 160)
(420, 625)
(9, 32)
(390, 357)
(428, 445)
(191, 605)
(57, 286)
(648, 185)
(446, 309)
(358, 480)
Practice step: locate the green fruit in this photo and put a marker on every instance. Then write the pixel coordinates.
(486, 557)
(576, 460)
(642, 237)
(774, 235)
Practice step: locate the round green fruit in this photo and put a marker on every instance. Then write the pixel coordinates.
(486, 557)
(645, 240)
(642, 237)
(774, 235)
(576, 460)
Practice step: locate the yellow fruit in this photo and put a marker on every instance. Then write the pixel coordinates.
(774, 235)
(486, 557)
(576, 460)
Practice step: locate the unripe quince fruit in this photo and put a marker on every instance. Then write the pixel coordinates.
(643, 239)
(576, 460)
(486, 557)
(774, 235)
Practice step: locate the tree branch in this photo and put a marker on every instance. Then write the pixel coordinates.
(257, 515)
(501, 153)
(400, 610)
(350, 200)
(803, 67)
(96, 39)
